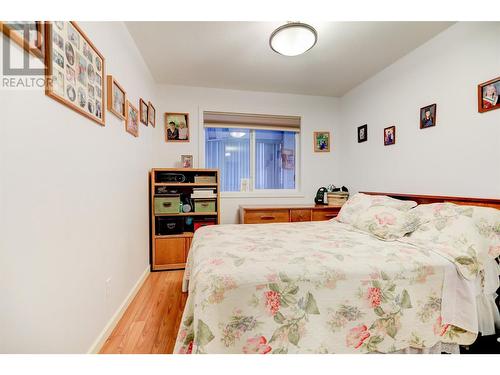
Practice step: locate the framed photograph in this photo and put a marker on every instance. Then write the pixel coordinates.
(287, 158)
(321, 141)
(151, 114)
(117, 98)
(132, 120)
(177, 127)
(362, 133)
(143, 111)
(389, 135)
(428, 116)
(487, 95)
(27, 34)
(187, 161)
(74, 70)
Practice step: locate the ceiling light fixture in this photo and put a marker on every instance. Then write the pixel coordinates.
(237, 134)
(293, 38)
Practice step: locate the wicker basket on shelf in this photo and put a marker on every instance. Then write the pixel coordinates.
(337, 199)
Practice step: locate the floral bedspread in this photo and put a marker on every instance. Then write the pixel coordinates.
(314, 287)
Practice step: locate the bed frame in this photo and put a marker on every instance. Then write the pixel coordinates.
(425, 199)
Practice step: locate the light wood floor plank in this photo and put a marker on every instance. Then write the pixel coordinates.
(151, 322)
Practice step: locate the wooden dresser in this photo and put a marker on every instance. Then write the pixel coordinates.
(286, 213)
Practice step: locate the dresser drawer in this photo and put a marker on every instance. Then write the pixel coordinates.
(300, 215)
(321, 215)
(266, 216)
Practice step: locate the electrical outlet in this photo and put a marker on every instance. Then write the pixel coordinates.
(108, 288)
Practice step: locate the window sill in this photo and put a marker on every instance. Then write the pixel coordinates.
(248, 194)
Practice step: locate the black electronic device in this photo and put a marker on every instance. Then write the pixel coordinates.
(321, 196)
(165, 177)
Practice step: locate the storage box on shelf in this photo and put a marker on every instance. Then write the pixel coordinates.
(182, 200)
(337, 199)
(168, 204)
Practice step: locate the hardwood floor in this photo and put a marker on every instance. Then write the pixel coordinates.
(150, 323)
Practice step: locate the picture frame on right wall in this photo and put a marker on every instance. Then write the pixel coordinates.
(487, 95)
(362, 133)
(389, 135)
(428, 116)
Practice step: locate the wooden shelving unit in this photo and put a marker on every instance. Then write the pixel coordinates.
(170, 251)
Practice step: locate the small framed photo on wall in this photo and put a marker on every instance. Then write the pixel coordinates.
(143, 110)
(117, 98)
(428, 116)
(177, 127)
(389, 136)
(321, 141)
(132, 120)
(151, 114)
(487, 95)
(362, 133)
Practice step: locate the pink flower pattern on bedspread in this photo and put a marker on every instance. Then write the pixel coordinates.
(316, 287)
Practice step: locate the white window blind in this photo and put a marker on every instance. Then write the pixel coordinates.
(251, 121)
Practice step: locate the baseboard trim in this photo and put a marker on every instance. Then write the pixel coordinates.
(103, 336)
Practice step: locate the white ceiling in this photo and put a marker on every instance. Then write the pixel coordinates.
(237, 55)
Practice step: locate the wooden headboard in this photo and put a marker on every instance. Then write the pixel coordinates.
(424, 199)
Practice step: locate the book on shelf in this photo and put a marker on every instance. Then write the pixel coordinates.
(201, 196)
(203, 193)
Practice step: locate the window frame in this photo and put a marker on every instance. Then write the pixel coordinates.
(255, 193)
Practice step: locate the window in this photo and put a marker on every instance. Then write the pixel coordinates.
(271, 171)
(252, 158)
(230, 154)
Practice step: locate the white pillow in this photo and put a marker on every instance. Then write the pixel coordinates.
(485, 219)
(487, 222)
(387, 223)
(458, 239)
(360, 202)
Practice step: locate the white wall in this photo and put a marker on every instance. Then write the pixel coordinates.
(74, 209)
(461, 154)
(317, 113)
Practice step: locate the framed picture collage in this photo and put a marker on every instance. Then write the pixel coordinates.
(75, 70)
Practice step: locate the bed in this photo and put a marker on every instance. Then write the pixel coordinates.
(329, 287)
